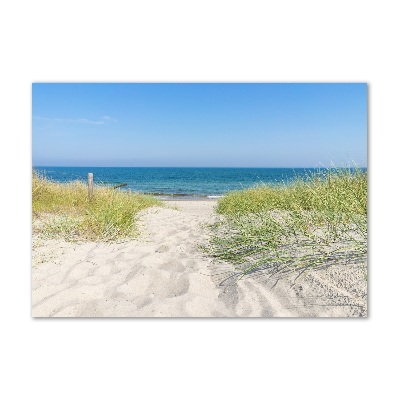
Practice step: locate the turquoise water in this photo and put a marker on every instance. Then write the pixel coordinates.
(179, 182)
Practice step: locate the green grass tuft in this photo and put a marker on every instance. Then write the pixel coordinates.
(335, 190)
(64, 211)
(284, 230)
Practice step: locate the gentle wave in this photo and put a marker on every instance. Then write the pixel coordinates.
(179, 183)
(172, 194)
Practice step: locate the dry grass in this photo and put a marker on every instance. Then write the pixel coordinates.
(64, 211)
(286, 230)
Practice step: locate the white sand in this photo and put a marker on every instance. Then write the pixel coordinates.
(164, 274)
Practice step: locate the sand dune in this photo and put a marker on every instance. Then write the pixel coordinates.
(164, 274)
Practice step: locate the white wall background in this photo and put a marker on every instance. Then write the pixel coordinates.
(285, 41)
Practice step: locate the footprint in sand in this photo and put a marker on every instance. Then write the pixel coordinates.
(162, 249)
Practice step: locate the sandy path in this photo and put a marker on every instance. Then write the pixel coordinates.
(164, 274)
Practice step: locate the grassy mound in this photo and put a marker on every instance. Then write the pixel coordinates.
(64, 211)
(312, 223)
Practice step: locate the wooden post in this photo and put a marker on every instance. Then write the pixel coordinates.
(90, 185)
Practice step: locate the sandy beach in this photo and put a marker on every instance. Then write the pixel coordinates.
(163, 273)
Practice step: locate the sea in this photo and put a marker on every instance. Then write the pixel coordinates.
(180, 183)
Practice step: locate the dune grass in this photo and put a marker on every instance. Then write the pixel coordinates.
(291, 229)
(64, 211)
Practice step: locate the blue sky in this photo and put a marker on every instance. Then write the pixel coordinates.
(199, 125)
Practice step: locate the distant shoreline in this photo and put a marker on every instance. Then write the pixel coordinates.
(191, 199)
(183, 196)
(178, 183)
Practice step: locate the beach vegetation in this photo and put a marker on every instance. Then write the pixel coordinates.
(63, 210)
(289, 230)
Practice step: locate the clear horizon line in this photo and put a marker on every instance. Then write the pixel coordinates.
(116, 166)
